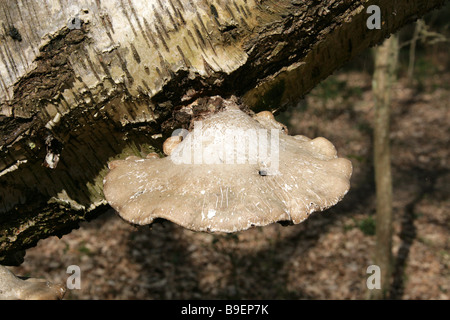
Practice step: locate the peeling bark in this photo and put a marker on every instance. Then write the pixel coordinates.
(101, 80)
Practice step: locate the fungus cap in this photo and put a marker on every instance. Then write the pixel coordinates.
(230, 173)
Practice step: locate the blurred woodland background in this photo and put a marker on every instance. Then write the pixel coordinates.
(325, 257)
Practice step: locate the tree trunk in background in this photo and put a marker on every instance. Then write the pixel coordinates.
(86, 82)
(386, 57)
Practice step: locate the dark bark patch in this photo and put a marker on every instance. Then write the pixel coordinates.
(52, 74)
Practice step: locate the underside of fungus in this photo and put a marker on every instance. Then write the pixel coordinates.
(231, 172)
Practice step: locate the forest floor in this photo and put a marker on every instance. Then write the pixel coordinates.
(327, 256)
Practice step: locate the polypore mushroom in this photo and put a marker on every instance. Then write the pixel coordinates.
(231, 172)
(14, 288)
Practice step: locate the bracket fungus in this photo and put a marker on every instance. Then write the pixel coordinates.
(233, 171)
(14, 288)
